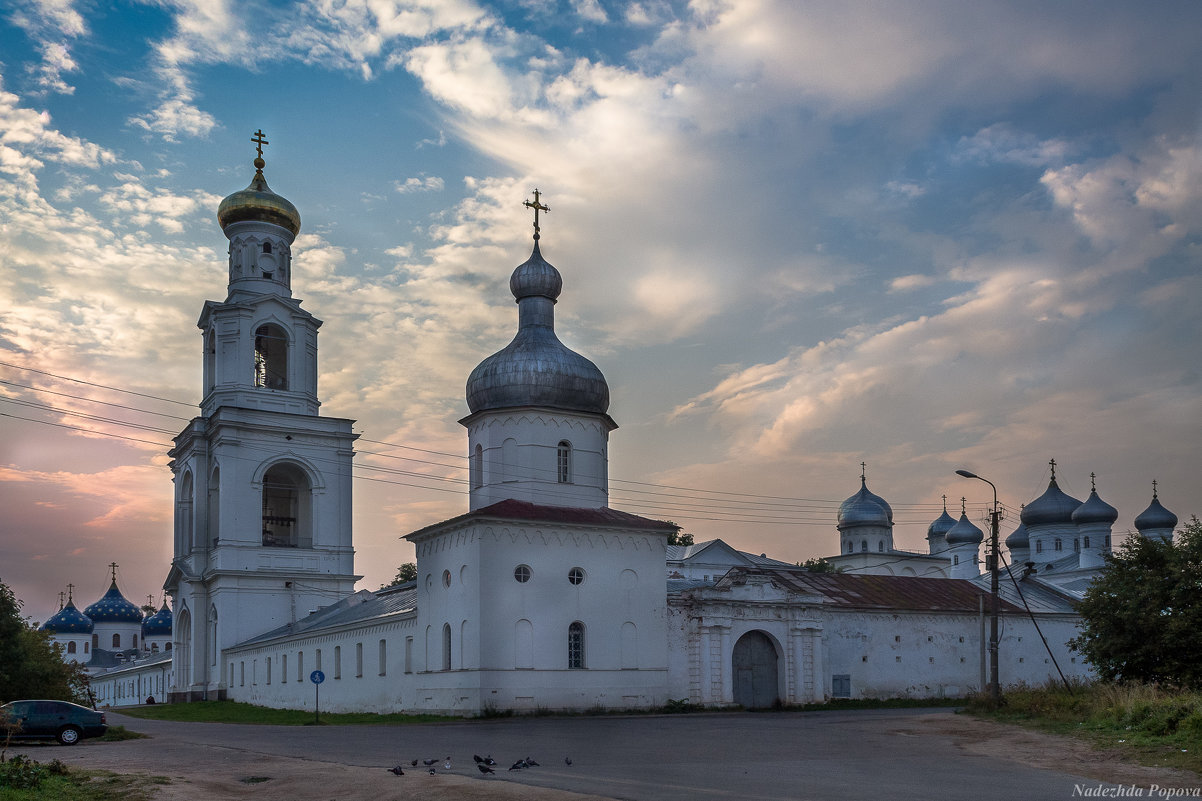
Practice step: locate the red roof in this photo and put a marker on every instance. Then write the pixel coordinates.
(570, 515)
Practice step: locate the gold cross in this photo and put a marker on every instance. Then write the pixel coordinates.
(259, 141)
(537, 208)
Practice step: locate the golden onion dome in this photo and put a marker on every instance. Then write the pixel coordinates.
(258, 203)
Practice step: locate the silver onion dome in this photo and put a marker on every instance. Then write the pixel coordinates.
(1095, 510)
(1053, 507)
(1155, 516)
(536, 369)
(940, 525)
(864, 509)
(964, 531)
(1019, 538)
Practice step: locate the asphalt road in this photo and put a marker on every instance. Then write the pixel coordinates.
(874, 754)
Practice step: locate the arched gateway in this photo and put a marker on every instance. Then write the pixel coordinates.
(755, 677)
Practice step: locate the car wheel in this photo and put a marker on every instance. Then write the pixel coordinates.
(68, 735)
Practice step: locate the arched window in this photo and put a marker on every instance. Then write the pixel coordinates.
(154, 648)
(1087, 542)
(286, 501)
(213, 633)
(955, 559)
(1076, 545)
(134, 644)
(478, 468)
(116, 640)
(266, 247)
(880, 547)
(446, 646)
(565, 462)
(95, 640)
(1059, 545)
(271, 357)
(863, 546)
(1039, 546)
(576, 645)
(71, 647)
(851, 547)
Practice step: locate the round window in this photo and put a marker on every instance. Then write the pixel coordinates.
(521, 574)
(576, 575)
(446, 578)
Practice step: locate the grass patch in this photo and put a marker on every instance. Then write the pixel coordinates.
(237, 712)
(23, 779)
(876, 703)
(116, 734)
(1154, 725)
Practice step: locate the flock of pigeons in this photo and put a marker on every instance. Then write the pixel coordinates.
(486, 765)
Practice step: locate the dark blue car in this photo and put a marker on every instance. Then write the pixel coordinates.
(66, 722)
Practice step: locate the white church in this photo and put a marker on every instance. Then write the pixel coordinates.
(539, 596)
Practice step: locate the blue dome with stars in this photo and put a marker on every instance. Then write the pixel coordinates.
(158, 624)
(114, 608)
(68, 620)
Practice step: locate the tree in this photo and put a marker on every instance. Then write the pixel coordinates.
(404, 574)
(30, 664)
(1141, 618)
(678, 537)
(819, 565)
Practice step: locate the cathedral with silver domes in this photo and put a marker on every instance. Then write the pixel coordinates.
(540, 595)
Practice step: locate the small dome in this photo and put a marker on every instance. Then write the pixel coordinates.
(864, 509)
(1051, 508)
(68, 620)
(1019, 538)
(536, 369)
(158, 624)
(1095, 510)
(258, 203)
(1155, 517)
(941, 525)
(113, 608)
(965, 532)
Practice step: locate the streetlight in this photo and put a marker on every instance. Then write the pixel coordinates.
(995, 693)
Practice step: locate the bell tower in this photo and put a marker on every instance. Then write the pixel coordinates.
(262, 482)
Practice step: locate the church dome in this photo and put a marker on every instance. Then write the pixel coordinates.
(68, 620)
(536, 369)
(258, 203)
(113, 608)
(1051, 508)
(940, 525)
(1019, 538)
(1095, 510)
(965, 531)
(1155, 517)
(158, 624)
(864, 509)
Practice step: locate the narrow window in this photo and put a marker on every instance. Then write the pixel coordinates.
(116, 640)
(300, 665)
(284, 668)
(241, 674)
(446, 646)
(383, 657)
(95, 640)
(286, 499)
(478, 468)
(337, 661)
(271, 357)
(565, 462)
(269, 670)
(1059, 544)
(1077, 545)
(880, 547)
(956, 559)
(1107, 540)
(317, 660)
(358, 660)
(863, 546)
(134, 644)
(1087, 542)
(71, 647)
(408, 654)
(1039, 546)
(576, 645)
(266, 247)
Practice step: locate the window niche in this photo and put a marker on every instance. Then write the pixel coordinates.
(271, 357)
(287, 499)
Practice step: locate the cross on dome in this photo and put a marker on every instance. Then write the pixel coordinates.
(113, 566)
(259, 142)
(537, 208)
(1052, 462)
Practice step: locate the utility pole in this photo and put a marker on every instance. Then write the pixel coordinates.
(994, 559)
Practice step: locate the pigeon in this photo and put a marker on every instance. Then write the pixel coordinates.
(567, 761)
(414, 763)
(447, 765)
(397, 770)
(428, 762)
(478, 758)
(521, 763)
(485, 768)
(488, 760)
(432, 771)
(530, 763)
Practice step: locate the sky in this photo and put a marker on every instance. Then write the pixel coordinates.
(794, 236)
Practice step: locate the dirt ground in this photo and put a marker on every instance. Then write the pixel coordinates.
(228, 774)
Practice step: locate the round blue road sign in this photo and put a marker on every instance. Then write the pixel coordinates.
(317, 677)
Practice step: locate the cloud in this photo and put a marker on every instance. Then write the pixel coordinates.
(426, 183)
(590, 11)
(53, 25)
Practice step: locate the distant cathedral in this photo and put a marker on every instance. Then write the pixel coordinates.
(539, 596)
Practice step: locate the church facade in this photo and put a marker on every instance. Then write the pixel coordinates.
(540, 596)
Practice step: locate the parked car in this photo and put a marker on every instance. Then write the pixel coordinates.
(66, 722)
